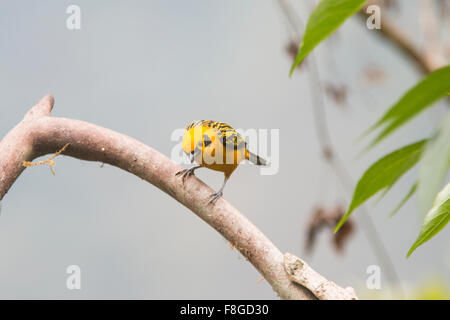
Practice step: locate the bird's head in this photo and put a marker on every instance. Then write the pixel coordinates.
(196, 139)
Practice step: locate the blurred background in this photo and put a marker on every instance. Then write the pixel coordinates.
(146, 68)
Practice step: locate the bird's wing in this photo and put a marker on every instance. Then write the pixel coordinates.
(231, 139)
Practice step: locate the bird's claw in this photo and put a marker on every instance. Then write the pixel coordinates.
(215, 196)
(180, 172)
(185, 173)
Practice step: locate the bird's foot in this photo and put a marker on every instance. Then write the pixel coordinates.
(185, 173)
(215, 196)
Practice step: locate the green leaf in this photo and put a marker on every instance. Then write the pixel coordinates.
(434, 165)
(327, 16)
(383, 174)
(429, 90)
(405, 199)
(435, 220)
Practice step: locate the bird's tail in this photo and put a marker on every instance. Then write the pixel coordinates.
(255, 159)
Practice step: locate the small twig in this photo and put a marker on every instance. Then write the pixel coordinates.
(50, 161)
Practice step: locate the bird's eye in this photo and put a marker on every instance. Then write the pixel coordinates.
(206, 140)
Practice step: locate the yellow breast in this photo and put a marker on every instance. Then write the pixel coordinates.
(210, 152)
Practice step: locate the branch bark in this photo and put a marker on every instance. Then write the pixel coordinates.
(39, 134)
(300, 272)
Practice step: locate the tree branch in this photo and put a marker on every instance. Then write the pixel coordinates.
(426, 60)
(39, 134)
(300, 272)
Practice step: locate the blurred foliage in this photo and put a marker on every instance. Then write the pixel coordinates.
(326, 18)
(434, 165)
(383, 174)
(436, 219)
(432, 88)
(434, 153)
(434, 288)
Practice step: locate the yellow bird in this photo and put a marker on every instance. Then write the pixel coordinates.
(217, 146)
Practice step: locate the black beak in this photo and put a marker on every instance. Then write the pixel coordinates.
(194, 154)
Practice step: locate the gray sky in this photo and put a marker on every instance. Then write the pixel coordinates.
(146, 68)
